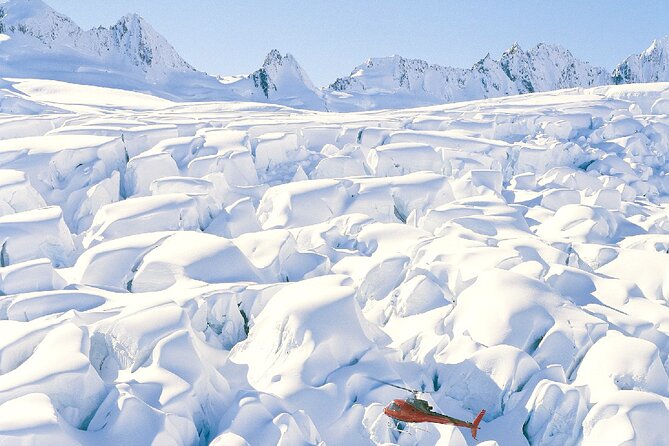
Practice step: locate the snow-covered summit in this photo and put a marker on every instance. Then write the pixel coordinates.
(393, 74)
(651, 65)
(279, 80)
(548, 67)
(137, 41)
(283, 76)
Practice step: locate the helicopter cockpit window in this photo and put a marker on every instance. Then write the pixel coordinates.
(393, 406)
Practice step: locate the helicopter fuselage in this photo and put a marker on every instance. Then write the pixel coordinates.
(418, 411)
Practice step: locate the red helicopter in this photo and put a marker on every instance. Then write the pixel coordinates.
(417, 410)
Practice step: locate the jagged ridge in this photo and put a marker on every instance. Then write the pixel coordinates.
(651, 65)
(544, 67)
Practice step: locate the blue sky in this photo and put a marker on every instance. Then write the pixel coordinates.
(329, 38)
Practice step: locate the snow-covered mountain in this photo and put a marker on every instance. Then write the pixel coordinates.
(38, 42)
(651, 65)
(549, 67)
(280, 80)
(382, 81)
(35, 33)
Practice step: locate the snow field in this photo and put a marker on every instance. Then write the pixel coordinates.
(231, 273)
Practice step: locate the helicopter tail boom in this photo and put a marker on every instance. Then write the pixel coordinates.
(475, 423)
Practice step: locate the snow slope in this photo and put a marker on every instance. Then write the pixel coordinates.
(239, 273)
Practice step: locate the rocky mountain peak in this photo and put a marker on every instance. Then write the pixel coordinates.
(274, 57)
(651, 65)
(144, 46)
(515, 48)
(280, 71)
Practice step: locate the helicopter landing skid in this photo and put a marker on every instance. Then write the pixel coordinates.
(393, 427)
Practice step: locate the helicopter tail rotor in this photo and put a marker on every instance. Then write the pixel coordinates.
(475, 423)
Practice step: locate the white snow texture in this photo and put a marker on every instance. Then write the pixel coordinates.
(238, 273)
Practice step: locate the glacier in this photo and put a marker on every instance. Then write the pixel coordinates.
(241, 273)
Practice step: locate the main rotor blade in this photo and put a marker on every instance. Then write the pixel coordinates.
(395, 385)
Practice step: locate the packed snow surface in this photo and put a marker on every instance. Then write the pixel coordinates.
(247, 274)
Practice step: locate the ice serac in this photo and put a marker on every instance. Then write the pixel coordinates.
(651, 65)
(231, 273)
(381, 82)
